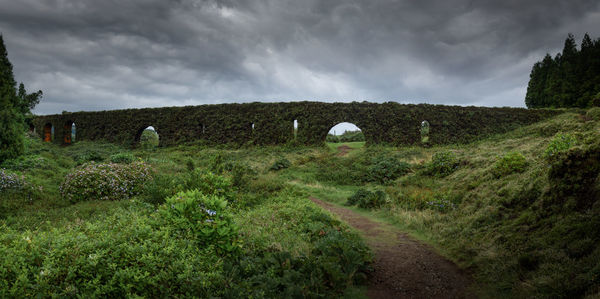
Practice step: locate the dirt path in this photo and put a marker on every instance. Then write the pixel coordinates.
(343, 150)
(403, 267)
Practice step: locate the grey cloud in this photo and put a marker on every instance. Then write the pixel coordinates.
(91, 55)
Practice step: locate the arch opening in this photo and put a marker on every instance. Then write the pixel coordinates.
(425, 128)
(346, 132)
(148, 138)
(48, 132)
(69, 132)
(295, 129)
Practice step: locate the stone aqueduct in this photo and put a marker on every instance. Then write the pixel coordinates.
(272, 123)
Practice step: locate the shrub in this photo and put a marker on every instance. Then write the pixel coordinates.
(560, 143)
(386, 169)
(128, 254)
(204, 218)
(510, 163)
(88, 156)
(210, 184)
(108, 181)
(366, 199)
(161, 187)
(164, 186)
(124, 158)
(442, 164)
(442, 202)
(281, 163)
(10, 181)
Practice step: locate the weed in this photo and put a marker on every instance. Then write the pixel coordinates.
(509, 163)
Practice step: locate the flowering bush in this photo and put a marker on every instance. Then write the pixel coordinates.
(204, 218)
(107, 181)
(10, 180)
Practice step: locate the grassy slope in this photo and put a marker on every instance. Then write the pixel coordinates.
(498, 230)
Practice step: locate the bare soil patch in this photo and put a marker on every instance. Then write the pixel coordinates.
(404, 267)
(343, 150)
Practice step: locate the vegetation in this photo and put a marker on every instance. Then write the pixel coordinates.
(570, 79)
(519, 211)
(14, 107)
(347, 136)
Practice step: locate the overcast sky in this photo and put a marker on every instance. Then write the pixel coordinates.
(110, 54)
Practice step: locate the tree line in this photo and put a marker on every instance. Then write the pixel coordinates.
(15, 109)
(570, 79)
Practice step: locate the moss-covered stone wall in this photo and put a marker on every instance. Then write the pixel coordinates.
(272, 123)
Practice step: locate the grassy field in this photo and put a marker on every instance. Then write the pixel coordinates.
(488, 206)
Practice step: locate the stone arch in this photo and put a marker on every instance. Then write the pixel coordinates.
(344, 127)
(48, 133)
(138, 136)
(424, 130)
(68, 133)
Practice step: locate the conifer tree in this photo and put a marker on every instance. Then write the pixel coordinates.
(570, 79)
(11, 121)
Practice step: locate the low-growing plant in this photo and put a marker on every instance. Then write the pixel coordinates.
(281, 163)
(161, 187)
(442, 202)
(88, 156)
(107, 181)
(204, 218)
(366, 199)
(385, 169)
(560, 143)
(25, 162)
(442, 164)
(210, 184)
(11, 181)
(124, 158)
(510, 163)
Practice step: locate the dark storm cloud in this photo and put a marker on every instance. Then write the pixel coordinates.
(90, 55)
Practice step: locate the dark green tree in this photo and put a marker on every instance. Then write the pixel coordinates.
(570, 79)
(11, 120)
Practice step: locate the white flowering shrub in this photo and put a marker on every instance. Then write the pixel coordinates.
(105, 181)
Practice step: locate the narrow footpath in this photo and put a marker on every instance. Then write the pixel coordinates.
(403, 267)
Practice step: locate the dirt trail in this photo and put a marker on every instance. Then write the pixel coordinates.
(403, 267)
(343, 150)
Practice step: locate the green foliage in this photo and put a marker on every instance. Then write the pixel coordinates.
(385, 169)
(509, 163)
(88, 155)
(366, 199)
(125, 255)
(570, 79)
(347, 136)
(10, 181)
(11, 121)
(442, 202)
(25, 162)
(560, 143)
(163, 186)
(230, 125)
(281, 163)
(149, 139)
(105, 181)
(203, 218)
(124, 158)
(442, 164)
